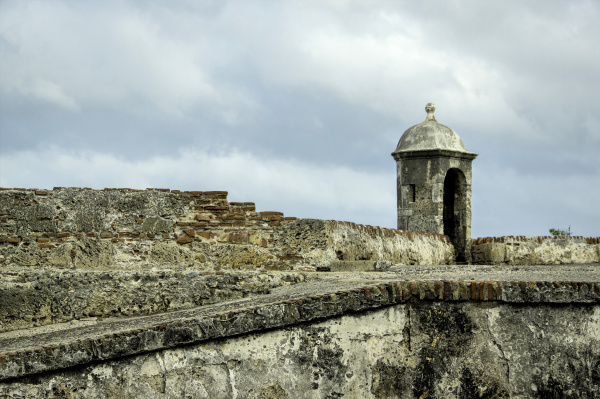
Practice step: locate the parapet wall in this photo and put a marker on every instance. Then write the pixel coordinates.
(74, 254)
(521, 250)
(129, 293)
(126, 229)
(388, 339)
(129, 229)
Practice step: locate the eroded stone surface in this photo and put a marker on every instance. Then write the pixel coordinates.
(30, 299)
(128, 293)
(442, 350)
(536, 250)
(136, 229)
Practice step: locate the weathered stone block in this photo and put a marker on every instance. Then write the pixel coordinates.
(171, 253)
(93, 253)
(156, 225)
(239, 256)
(37, 218)
(304, 234)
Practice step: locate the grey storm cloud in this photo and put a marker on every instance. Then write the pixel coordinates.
(297, 105)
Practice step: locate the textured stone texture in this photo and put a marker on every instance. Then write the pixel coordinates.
(416, 349)
(32, 298)
(125, 293)
(135, 229)
(522, 250)
(327, 241)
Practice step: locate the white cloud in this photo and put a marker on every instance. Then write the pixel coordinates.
(177, 61)
(118, 58)
(389, 66)
(50, 92)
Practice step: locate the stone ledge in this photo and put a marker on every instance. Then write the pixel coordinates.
(30, 297)
(352, 266)
(37, 353)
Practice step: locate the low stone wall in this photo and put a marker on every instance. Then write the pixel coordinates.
(326, 241)
(394, 339)
(521, 250)
(125, 229)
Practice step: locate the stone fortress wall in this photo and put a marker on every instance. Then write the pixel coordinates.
(125, 229)
(545, 250)
(73, 254)
(351, 338)
(159, 293)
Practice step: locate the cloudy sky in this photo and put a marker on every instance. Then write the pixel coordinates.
(297, 105)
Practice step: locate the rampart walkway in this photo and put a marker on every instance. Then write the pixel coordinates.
(323, 295)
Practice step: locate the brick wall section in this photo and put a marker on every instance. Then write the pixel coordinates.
(136, 229)
(543, 250)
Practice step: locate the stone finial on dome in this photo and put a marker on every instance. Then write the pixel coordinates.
(430, 109)
(430, 135)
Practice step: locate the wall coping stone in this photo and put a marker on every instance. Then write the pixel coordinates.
(328, 297)
(534, 239)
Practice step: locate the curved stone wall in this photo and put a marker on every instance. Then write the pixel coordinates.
(392, 339)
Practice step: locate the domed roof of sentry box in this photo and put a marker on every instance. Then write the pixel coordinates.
(430, 135)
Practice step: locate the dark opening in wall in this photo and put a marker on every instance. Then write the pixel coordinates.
(449, 194)
(454, 211)
(412, 193)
